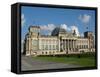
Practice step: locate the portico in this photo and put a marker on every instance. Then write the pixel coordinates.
(68, 44)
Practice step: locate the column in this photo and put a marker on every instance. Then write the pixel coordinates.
(59, 44)
(29, 47)
(73, 45)
(62, 44)
(65, 44)
(68, 44)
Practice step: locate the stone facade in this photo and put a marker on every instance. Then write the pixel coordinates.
(59, 42)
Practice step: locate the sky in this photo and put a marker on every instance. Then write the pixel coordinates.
(49, 18)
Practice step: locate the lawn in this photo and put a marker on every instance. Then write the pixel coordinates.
(82, 60)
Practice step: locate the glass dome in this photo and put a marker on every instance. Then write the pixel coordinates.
(57, 31)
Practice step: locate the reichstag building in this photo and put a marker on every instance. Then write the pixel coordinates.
(59, 42)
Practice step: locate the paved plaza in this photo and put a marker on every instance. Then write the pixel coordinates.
(29, 63)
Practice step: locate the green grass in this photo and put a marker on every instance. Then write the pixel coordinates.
(86, 60)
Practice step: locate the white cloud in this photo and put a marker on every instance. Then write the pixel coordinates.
(48, 27)
(68, 29)
(71, 28)
(85, 18)
(64, 26)
(76, 30)
(82, 35)
(22, 20)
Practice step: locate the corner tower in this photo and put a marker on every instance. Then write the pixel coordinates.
(90, 37)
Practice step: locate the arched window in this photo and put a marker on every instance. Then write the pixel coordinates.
(49, 52)
(42, 52)
(45, 52)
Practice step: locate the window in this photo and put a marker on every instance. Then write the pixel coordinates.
(53, 47)
(56, 46)
(46, 47)
(42, 52)
(43, 47)
(45, 52)
(49, 47)
(34, 42)
(49, 52)
(86, 46)
(53, 52)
